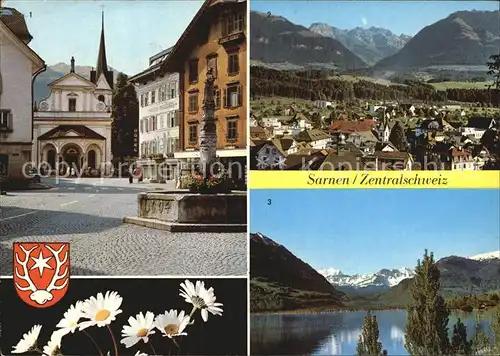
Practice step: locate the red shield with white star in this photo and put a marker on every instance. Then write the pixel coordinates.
(41, 272)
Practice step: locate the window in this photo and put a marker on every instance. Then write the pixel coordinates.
(193, 102)
(233, 65)
(233, 96)
(217, 98)
(162, 121)
(173, 90)
(176, 118)
(232, 130)
(212, 64)
(153, 96)
(141, 125)
(72, 105)
(101, 99)
(193, 70)
(5, 120)
(193, 133)
(142, 100)
(146, 99)
(162, 94)
(153, 119)
(234, 23)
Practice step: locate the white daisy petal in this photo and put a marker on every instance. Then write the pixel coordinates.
(139, 328)
(201, 298)
(171, 323)
(101, 310)
(29, 340)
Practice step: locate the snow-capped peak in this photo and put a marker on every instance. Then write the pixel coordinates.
(486, 256)
(384, 278)
(330, 272)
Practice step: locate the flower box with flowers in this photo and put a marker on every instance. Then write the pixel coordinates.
(197, 183)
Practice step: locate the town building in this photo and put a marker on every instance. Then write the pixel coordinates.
(19, 66)
(72, 127)
(158, 95)
(215, 39)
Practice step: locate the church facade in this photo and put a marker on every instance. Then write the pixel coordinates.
(72, 127)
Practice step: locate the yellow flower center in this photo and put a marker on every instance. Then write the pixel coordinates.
(102, 315)
(172, 329)
(142, 332)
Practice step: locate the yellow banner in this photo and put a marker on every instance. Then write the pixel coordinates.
(373, 179)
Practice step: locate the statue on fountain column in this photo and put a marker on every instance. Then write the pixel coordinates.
(208, 128)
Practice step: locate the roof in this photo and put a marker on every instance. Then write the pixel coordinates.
(16, 23)
(352, 126)
(480, 122)
(395, 155)
(62, 131)
(311, 135)
(459, 153)
(161, 55)
(300, 162)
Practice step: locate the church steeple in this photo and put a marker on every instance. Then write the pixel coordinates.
(102, 64)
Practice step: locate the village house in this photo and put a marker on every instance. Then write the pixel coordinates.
(461, 160)
(317, 139)
(215, 39)
(268, 155)
(19, 66)
(158, 96)
(322, 104)
(72, 127)
(477, 126)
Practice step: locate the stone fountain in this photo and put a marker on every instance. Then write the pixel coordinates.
(182, 211)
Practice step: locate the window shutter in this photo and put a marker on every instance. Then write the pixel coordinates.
(10, 121)
(226, 101)
(240, 96)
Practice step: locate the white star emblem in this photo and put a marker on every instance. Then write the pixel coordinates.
(280, 162)
(262, 162)
(41, 262)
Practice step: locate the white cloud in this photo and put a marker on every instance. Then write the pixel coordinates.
(364, 21)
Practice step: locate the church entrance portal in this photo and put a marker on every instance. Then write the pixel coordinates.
(71, 159)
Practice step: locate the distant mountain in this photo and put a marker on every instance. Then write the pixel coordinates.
(465, 38)
(486, 256)
(274, 39)
(281, 281)
(381, 280)
(55, 72)
(370, 44)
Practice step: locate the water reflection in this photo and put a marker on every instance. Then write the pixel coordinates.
(331, 334)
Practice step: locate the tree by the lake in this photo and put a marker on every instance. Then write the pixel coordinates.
(459, 343)
(494, 70)
(481, 343)
(427, 322)
(369, 344)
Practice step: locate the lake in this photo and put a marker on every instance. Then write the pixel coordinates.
(335, 333)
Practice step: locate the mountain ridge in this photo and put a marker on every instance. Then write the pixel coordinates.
(370, 44)
(275, 39)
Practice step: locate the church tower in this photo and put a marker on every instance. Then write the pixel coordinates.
(102, 63)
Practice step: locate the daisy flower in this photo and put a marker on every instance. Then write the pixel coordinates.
(29, 341)
(201, 298)
(138, 353)
(69, 323)
(101, 311)
(53, 347)
(172, 324)
(139, 328)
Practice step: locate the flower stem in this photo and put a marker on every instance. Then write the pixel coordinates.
(94, 342)
(192, 312)
(114, 340)
(152, 348)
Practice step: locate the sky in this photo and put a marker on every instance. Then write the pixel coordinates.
(406, 17)
(134, 29)
(362, 231)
